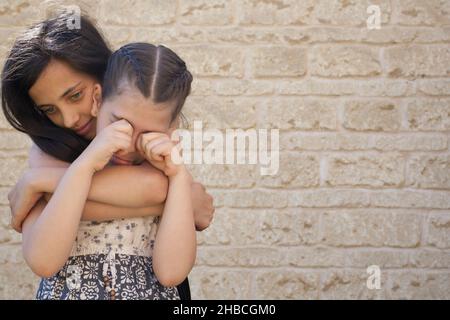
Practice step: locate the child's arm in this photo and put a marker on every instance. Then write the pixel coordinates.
(175, 244)
(96, 211)
(126, 186)
(48, 238)
(143, 184)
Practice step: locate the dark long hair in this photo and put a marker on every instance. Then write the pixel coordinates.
(84, 49)
(156, 71)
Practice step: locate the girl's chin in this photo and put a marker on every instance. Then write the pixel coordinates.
(89, 136)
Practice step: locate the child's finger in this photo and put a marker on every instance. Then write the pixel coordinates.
(163, 148)
(148, 147)
(123, 126)
(150, 136)
(122, 144)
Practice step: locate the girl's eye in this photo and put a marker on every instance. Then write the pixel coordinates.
(75, 96)
(48, 110)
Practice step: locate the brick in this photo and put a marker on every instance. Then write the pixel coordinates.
(417, 285)
(295, 170)
(279, 61)
(213, 61)
(300, 141)
(344, 61)
(428, 114)
(202, 12)
(14, 140)
(19, 12)
(219, 113)
(240, 257)
(286, 284)
(296, 113)
(429, 171)
(314, 257)
(434, 87)
(411, 142)
(11, 253)
(11, 170)
(371, 228)
(384, 258)
(120, 36)
(17, 282)
(438, 230)
(328, 198)
(350, 284)
(216, 283)
(428, 258)
(416, 12)
(144, 12)
(232, 87)
(256, 198)
(368, 169)
(225, 176)
(374, 115)
(263, 227)
(417, 61)
(409, 199)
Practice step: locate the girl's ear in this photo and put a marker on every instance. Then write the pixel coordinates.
(96, 99)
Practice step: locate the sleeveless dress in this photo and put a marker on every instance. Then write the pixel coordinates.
(110, 260)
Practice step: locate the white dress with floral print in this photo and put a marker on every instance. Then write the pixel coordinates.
(109, 260)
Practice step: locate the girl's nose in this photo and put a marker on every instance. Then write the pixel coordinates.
(71, 120)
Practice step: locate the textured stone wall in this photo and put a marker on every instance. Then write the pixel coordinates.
(364, 119)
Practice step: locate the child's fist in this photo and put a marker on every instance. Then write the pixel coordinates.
(160, 151)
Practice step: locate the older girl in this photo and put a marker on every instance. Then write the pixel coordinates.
(61, 123)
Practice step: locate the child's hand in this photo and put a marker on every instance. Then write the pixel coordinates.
(22, 198)
(117, 136)
(160, 151)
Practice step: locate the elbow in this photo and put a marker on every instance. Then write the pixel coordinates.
(41, 266)
(170, 279)
(43, 270)
(168, 275)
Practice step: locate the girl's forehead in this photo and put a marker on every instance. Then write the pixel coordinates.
(140, 111)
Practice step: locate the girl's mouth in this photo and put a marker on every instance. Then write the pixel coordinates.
(85, 128)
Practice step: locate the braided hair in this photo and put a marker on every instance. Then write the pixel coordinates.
(156, 71)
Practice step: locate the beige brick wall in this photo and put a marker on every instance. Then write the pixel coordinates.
(364, 119)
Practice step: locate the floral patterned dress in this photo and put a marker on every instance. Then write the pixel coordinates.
(109, 260)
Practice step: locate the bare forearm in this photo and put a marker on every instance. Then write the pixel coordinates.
(124, 186)
(97, 211)
(175, 243)
(49, 241)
